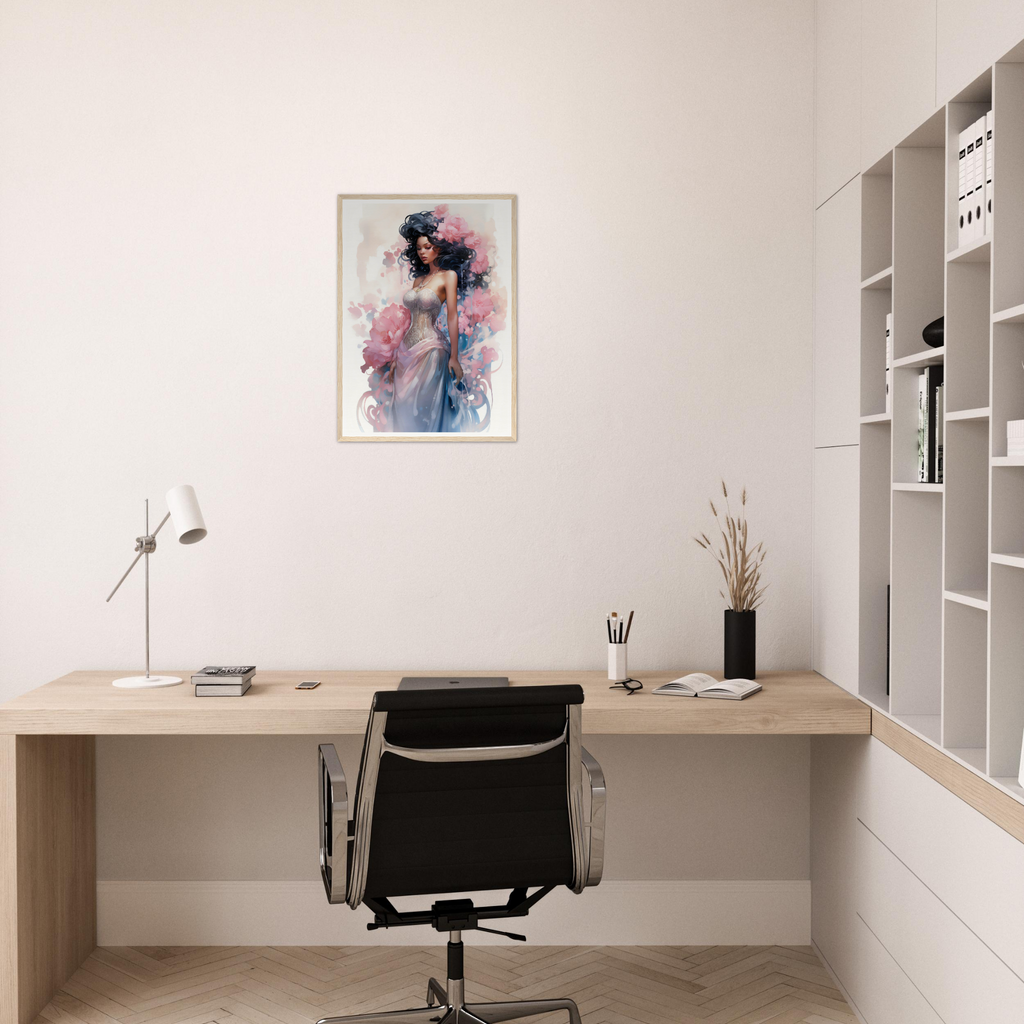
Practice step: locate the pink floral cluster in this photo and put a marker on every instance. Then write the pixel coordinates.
(482, 308)
(455, 229)
(386, 331)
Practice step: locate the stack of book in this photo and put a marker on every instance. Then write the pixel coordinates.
(223, 680)
(930, 441)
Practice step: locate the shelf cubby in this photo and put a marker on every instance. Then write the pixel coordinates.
(965, 679)
(1008, 186)
(967, 327)
(966, 516)
(961, 112)
(1006, 686)
(875, 304)
(916, 636)
(875, 500)
(918, 232)
(876, 220)
(904, 426)
(1007, 381)
(1008, 511)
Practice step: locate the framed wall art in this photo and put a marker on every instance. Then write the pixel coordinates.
(414, 273)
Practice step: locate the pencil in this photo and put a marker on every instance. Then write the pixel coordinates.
(608, 623)
(629, 626)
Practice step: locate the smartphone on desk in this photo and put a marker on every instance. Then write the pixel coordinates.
(308, 684)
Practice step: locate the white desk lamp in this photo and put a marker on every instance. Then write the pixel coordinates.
(187, 520)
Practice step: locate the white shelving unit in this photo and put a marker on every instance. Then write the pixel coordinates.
(951, 553)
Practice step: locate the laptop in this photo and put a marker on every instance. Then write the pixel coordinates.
(449, 682)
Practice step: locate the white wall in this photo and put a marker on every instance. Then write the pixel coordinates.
(167, 265)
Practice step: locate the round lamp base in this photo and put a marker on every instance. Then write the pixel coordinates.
(146, 682)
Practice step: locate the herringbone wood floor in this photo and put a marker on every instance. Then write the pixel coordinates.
(299, 985)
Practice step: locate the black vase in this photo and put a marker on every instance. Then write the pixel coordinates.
(740, 644)
(935, 333)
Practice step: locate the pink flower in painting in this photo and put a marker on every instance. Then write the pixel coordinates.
(388, 329)
(453, 229)
(441, 211)
(488, 354)
(480, 264)
(478, 304)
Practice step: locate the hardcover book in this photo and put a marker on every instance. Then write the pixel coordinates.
(223, 674)
(700, 684)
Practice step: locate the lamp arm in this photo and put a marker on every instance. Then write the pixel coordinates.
(125, 576)
(161, 526)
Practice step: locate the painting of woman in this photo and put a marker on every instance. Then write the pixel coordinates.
(430, 322)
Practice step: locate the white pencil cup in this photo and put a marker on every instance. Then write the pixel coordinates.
(617, 670)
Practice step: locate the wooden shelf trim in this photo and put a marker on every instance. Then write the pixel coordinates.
(984, 796)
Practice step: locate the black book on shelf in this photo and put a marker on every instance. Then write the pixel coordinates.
(933, 378)
(888, 632)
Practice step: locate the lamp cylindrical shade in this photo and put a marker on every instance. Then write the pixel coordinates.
(186, 518)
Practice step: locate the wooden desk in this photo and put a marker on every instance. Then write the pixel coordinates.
(47, 775)
(84, 703)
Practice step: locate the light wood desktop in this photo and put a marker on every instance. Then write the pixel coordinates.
(47, 774)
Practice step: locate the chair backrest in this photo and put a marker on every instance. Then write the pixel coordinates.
(469, 790)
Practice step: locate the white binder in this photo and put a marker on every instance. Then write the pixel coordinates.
(961, 206)
(969, 222)
(888, 364)
(979, 178)
(989, 160)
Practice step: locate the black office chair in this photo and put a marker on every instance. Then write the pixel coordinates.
(462, 791)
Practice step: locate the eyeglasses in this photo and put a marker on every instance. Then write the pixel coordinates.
(629, 685)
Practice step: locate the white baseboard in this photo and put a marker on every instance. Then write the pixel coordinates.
(669, 913)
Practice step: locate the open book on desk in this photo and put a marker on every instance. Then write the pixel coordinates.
(700, 684)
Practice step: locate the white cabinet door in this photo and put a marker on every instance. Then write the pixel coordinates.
(837, 319)
(834, 565)
(971, 37)
(898, 73)
(836, 95)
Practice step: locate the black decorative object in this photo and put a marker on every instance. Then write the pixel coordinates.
(935, 333)
(740, 644)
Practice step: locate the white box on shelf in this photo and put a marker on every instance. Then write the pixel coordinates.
(1014, 436)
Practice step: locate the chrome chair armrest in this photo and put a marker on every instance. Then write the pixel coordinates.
(333, 824)
(595, 826)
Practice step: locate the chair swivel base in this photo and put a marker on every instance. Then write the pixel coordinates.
(451, 1010)
(448, 1005)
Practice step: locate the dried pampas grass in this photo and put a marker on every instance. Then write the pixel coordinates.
(740, 567)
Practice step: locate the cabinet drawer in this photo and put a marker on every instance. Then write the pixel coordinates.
(956, 973)
(882, 992)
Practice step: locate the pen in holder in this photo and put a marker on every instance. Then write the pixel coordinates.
(617, 669)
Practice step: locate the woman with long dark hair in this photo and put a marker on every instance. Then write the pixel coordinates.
(426, 370)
